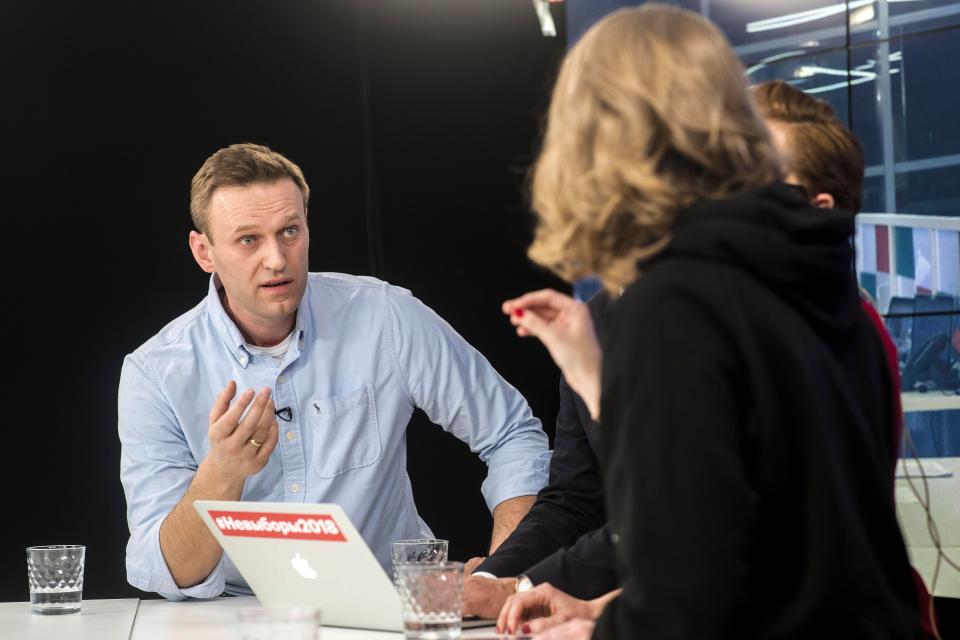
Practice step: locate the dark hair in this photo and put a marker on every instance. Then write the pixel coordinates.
(824, 155)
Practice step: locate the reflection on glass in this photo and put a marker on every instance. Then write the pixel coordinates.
(923, 138)
(760, 29)
(824, 74)
(880, 19)
(873, 194)
(930, 192)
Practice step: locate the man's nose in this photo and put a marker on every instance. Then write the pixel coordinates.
(274, 258)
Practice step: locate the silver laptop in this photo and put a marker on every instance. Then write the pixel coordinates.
(305, 554)
(310, 555)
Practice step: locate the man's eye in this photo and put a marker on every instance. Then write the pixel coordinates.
(246, 241)
(291, 232)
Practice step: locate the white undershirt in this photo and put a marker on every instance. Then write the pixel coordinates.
(277, 351)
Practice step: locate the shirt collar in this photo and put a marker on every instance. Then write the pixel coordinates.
(233, 339)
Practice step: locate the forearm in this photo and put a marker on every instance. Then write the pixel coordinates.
(188, 548)
(590, 389)
(506, 516)
(586, 569)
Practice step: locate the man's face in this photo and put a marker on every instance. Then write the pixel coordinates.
(259, 250)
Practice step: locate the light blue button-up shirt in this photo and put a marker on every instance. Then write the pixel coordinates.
(366, 354)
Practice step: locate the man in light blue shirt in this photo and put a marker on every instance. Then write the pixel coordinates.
(340, 362)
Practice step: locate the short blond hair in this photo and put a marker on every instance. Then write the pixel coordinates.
(649, 114)
(239, 165)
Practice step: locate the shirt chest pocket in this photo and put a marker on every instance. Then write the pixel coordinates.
(346, 435)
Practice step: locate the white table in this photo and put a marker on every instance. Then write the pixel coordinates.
(132, 619)
(931, 401)
(215, 620)
(945, 507)
(97, 620)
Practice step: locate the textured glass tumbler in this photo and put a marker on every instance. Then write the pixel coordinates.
(422, 551)
(431, 596)
(279, 623)
(55, 574)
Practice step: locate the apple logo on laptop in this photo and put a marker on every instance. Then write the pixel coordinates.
(302, 566)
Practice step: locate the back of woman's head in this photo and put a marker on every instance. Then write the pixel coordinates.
(820, 151)
(649, 114)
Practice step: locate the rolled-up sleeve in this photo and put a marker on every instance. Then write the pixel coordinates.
(156, 467)
(458, 389)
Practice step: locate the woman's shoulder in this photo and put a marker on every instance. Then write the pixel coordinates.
(682, 280)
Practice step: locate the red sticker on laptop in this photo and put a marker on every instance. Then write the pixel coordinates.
(293, 526)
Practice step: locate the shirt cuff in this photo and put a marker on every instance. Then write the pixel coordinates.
(484, 574)
(148, 571)
(514, 478)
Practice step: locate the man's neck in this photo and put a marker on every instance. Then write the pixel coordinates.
(260, 334)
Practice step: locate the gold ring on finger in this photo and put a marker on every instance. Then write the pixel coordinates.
(255, 443)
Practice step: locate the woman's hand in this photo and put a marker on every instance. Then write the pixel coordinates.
(540, 609)
(578, 629)
(564, 327)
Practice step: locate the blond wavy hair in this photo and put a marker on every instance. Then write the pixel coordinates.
(650, 113)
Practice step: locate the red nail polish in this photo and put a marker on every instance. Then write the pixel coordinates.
(525, 628)
(518, 312)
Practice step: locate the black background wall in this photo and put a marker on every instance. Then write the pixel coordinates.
(413, 120)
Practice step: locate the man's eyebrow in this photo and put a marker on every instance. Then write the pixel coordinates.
(293, 217)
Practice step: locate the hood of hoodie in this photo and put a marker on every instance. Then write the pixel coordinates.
(801, 253)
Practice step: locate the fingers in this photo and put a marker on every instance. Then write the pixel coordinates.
(546, 302)
(222, 403)
(539, 602)
(578, 629)
(267, 419)
(472, 564)
(530, 323)
(539, 625)
(512, 615)
(271, 438)
(225, 425)
(520, 607)
(505, 614)
(543, 313)
(251, 421)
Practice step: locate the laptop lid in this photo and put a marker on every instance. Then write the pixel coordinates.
(305, 554)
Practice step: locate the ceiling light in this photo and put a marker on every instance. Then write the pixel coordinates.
(547, 25)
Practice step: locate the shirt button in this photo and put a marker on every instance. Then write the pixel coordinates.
(290, 435)
(615, 538)
(295, 488)
(282, 379)
(243, 360)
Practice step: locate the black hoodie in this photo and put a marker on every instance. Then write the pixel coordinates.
(747, 414)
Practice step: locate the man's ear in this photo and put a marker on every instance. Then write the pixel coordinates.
(200, 247)
(823, 201)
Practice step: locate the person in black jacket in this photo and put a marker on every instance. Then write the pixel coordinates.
(564, 539)
(742, 390)
(822, 157)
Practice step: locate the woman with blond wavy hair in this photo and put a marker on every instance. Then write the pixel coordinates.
(741, 390)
